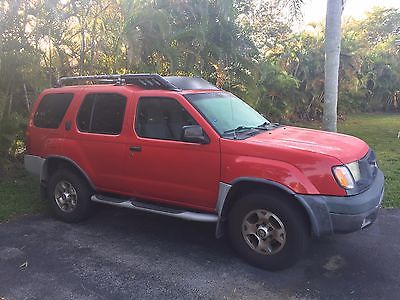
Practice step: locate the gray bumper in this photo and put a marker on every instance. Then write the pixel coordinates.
(330, 214)
(34, 164)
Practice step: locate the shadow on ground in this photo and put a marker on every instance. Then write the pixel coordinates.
(119, 254)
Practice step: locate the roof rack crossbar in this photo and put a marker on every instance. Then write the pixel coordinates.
(146, 81)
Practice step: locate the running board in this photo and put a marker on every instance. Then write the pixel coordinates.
(161, 210)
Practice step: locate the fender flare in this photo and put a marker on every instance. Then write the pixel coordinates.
(44, 172)
(224, 198)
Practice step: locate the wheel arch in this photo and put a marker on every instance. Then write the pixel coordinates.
(56, 162)
(244, 185)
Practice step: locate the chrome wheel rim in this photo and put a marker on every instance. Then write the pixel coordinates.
(65, 196)
(263, 232)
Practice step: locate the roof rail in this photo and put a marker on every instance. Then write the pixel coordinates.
(146, 81)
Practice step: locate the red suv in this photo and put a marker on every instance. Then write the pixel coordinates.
(179, 146)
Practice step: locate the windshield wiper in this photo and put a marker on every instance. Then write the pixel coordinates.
(263, 126)
(268, 126)
(239, 128)
(251, 130)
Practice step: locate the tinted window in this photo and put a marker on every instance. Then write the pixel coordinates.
(102, 113)
(51, 110)
(161, 118)
(85, 113)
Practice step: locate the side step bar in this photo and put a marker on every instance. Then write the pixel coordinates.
(162, 210)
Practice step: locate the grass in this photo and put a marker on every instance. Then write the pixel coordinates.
(19, 192)
(19, 195)
(380, 132)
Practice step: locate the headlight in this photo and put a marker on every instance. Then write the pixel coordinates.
(343, 177)
(354, 168)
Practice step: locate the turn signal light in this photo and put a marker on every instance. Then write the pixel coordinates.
(343, 177)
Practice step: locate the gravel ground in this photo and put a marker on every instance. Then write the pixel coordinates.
(122, 254)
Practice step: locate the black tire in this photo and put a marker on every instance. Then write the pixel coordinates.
(83, 205)
(296, 228)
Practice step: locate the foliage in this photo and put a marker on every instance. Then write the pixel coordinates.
(278, 93)
(239, 45)
(11, 140)
(370, 65)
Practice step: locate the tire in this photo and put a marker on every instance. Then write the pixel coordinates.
(68, 195)
(275, 235)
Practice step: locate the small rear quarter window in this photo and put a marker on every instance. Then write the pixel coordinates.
(51, 110)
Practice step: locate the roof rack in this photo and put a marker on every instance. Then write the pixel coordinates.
(146, 81)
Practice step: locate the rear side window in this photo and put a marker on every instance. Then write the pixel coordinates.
(51, 110)
(102, 113)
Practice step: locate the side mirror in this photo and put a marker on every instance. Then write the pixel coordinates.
(194, 134)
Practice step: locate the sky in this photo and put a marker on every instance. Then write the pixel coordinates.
(314, 10)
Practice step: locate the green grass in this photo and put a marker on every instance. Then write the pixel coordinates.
(380, 132)
(19, 192)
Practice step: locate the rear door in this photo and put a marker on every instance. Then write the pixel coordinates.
(163, 167)
(96, 137)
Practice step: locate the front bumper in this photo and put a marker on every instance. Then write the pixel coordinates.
(332, 214)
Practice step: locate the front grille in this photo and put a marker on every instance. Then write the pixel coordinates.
(368, 165)
(368, 171)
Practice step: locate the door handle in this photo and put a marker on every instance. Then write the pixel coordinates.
(135, 148)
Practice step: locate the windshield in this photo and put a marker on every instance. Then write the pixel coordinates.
(227, 113)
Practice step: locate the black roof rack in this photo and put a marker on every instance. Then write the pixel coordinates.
(146, 81)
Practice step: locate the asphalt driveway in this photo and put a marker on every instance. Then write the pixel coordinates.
(121, 254)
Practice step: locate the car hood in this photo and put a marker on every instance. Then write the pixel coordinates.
(343, 147)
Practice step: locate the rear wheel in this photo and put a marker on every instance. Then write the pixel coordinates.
(69, 195)
(268, 231)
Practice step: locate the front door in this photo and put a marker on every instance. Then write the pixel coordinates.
(164, 168)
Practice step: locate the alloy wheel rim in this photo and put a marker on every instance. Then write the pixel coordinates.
(65, 196)
(264, 232)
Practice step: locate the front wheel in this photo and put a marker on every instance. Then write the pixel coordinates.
(268, 231)
(69, 195)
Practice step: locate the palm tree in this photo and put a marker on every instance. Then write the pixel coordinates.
(332, 59)
(147, 31)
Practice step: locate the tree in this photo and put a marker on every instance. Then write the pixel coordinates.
(332, 60)
(188, 37)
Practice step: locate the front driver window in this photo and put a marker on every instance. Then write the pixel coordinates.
(161, 118)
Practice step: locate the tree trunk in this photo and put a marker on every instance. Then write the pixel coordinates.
(50, 61)
(82, 55)
(27, 99)
(10, 104)
(332, 59)
(92, 45)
